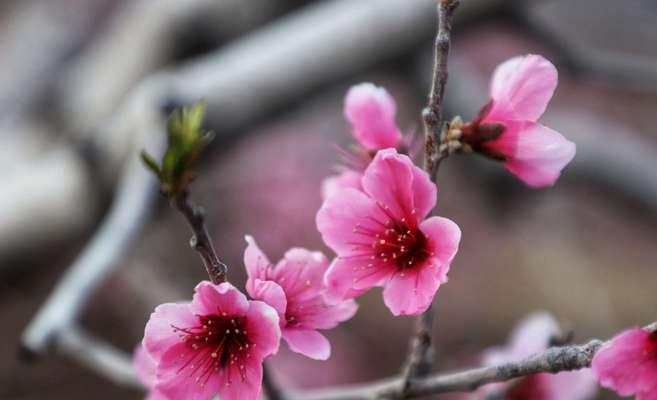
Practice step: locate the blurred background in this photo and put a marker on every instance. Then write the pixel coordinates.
(85, 84)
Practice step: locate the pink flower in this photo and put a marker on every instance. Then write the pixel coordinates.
(628, 364)
(294, 287)
(506, 128)
(371, 112)
(381, 236)
(531, 336)
(214, 345)
(144, 367)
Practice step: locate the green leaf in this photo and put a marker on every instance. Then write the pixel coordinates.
(150, 163)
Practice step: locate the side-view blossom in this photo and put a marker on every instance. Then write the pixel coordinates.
(533, 335)
(145, 369)
(382, 238)
(295, 288)
(214, 345)
(507, 128)
(370, 110)
(628, 364)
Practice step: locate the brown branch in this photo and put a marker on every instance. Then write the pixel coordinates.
(201, 241)
(420, 357)
(553, 360)
(432, 115)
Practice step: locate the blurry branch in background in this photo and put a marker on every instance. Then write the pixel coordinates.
(237, 83)
(552, 360)
(53, 327)
(420, 357)
(186, 141)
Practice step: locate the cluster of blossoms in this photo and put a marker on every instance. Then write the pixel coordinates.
(378, 219)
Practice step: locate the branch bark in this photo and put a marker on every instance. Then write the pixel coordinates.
(201, 240)
(552, 360)
(420, 358)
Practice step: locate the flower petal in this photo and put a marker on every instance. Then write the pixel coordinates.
(248, 388)
(390, 181)
(522, 87)
(144, 366)
(371, 112)
(349, 278)
(222, 298)
(159, 335)
(307, 342)
(535, 154)
(300, 273)
(175, 382)
(347, 179)
(270, 293)
(262, 325)
(255, 261)
(575, 385)
(628, 363)
(339, 216)
(411, 292)
(444, 237)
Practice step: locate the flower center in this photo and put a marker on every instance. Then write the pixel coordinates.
(400, 245)
(217, 342)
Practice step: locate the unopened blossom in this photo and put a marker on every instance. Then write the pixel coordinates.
(144, 367)
(370, 111)
(214, 345)
(382, 237)
(507, 128)
(531, 336)
(628, 364)
(295, 288)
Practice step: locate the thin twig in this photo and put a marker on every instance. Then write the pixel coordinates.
(420, 358)
(272, 390)
(201, 241)
(432, 115)
(552, 360)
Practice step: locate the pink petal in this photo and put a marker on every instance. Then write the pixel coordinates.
(411, 292)
(341, 214)
(176, 384)
(575, 385)
(535, 154)
(255, 261)
(522, 87)
(218, 299)
(156, 395)
(248, 389)
(144, 366)
(301, 273)
(371, 112)
(270, 293)
(628, 364)
(394, 182)
(444, 237)
(263, 329)
(331, 315)
(348, 278)
(159, 335)
(347, 179)
(307, 342)
(649, 395)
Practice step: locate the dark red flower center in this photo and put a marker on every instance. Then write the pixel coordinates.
(217, 342)
(399, 243)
